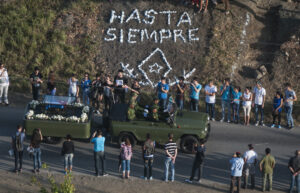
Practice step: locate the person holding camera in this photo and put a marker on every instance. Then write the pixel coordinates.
(36, 81)
(18, 147)
(226, 93)
(195, 92)
(97, 93)
(99, 157)
(180, 88)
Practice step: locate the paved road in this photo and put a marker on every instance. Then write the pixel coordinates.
(224, 140)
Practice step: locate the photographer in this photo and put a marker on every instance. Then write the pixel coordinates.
(195, 91)
(97, 93)
(180, 90)
(36, 81)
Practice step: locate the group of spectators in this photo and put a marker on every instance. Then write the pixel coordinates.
(242, 167)
(201, 5)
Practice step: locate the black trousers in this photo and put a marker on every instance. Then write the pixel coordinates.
(35, 92)
(197, 167)
(232, 184)
(18, 158)
(148, 162)
(278, 115)
(99, 158)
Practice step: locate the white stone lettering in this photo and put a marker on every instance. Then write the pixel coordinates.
(134, 16)
(178, 34)
(168, 13)
(149, 14)
(184, 18)
(163, 36)
(114, 16)
(131, 35)
(110, 33)
(192, 35)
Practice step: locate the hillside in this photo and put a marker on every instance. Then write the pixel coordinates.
(149, 39)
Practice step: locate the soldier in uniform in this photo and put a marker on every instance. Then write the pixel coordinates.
(155, 110)
(132, 107)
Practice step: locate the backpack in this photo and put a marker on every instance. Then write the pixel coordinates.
(149, 148)
(18, 144)
(126, 152)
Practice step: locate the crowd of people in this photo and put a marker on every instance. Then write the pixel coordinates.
(241, 166)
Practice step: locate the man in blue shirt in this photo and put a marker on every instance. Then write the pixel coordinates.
(226, 91)
(86, 85)
(98, 140)
(236, 167)
(195, 91)
(17, 145)
(163, 89)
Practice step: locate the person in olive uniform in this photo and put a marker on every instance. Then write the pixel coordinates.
(155, 109)
(132, 107)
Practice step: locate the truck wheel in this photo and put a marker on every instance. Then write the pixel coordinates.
(186, 143)
(131, 138)
(52, 140)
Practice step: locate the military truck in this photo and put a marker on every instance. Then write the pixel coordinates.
(58, 116)
(188, 128)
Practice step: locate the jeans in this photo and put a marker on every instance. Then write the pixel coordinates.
(37, 163)
(232, 184)
(85, 96)
(236, 111)
(126, 165)
(18, 158)
(249, 169)
(68, 160)
(210, 110)
(99, 157)
(3, 93)
(259, 108)
(226, 105)
(295, 179)
(268, 177)
(148, 162)
(179, 103)
(169, 162)
(163, 103)
(194, 105)
(289, 116)
(199, 168)
(35, 92)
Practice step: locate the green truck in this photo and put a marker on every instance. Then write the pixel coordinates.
(58, 116)
(188, 128)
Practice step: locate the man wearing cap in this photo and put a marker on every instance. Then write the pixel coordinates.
(250, 158)
(236, 167)
(259, 97)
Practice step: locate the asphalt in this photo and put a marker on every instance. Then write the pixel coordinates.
(224, 140)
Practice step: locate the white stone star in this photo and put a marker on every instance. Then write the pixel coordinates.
(155, 68)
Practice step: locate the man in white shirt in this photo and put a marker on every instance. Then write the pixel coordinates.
(210, 99)
(4, 83)
(250, 158)
(259, 97)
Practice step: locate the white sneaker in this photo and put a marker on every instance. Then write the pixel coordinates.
(222, 120)
(256, 124)
(188, 181)
(208, 118)
(213, 119)
(228, 121)
(262, 124)
(273, 126)
(150, 178)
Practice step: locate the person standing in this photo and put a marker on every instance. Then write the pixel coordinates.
(148, 155)
(236, 96)
(226, 93)
(120, 83)
(36, 81)
(226, 2)
(236, 168)
(250, 158)
(210, 99)
(68, 153)
(259, 103)
(163, 89)
(195, 92)
(199, 150)
(18, 147)
(180, 88)
(126, 154)
(171, 154)
(4, 83)
(86, 85)
(73, 86)
(290, 98)
(99, 157)
(97, 93)
(51, 86)
(36, 140)
(294, 167)
(108, 93)
(266, 166)
(277, 108)
(247, 101)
